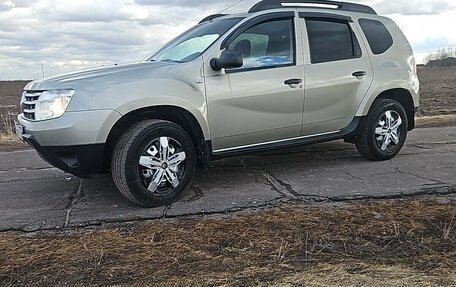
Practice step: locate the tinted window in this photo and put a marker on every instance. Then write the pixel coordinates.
(379, 38)
(269, 44)
(331, 41)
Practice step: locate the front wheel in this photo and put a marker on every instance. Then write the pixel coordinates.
(153, 163)
(384, 131)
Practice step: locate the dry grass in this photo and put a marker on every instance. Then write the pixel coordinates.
(8, 139)
(7, 128)
(436, 121)
(361, 274)
(438, 92)
(394, 243)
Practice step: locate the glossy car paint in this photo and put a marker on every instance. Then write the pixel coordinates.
(232, 109)
(332, 91)
(121, 90)
(254, 106)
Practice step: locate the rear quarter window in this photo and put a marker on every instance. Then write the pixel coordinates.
(378, 36)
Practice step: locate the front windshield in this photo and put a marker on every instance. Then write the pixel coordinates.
(195, 41)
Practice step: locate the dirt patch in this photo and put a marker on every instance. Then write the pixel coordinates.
(13, 145)
(10, 95)
(436, 121)
(438, 91)
(438, 97)
(406, 243)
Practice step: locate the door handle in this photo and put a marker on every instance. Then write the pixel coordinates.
(293, 82)
(359, 74)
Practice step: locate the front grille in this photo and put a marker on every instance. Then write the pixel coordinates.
(28, 104)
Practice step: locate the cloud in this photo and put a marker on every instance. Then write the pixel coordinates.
(90, 11)
(23, 3)
(210, 7)
(184, 3)
(428, 32)
(6, 6)
(416, 7)
(69, 35)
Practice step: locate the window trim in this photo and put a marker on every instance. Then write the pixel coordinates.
(324, 16)
(255, 21)
(357, 50)
(272, 17)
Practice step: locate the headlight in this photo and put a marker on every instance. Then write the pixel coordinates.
(52, 104)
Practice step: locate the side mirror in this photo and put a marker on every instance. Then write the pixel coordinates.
(228, 59)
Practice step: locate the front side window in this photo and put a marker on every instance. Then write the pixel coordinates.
(331, 41)
(266, 45)
(194, 42)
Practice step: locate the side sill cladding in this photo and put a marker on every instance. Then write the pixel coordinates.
(347, 132)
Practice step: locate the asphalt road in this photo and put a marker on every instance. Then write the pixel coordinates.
(35, 196)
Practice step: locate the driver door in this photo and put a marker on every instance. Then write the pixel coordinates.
(261, 102)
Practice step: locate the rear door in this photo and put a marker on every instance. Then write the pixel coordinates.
(338, 72)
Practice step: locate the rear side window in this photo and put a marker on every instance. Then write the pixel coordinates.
(378, 36)
(331, 40)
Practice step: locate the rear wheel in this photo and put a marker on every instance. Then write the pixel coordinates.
(384, 131)
(153, 163)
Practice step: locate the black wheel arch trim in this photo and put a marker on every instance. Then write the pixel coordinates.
(405, 98)
(175, 114)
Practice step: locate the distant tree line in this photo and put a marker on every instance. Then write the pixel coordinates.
(442, 56)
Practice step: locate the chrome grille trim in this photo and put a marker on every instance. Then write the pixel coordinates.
(28, 104)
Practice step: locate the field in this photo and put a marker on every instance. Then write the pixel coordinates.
(438, 92)
(10, 93)
(405, 242)
(438, 97)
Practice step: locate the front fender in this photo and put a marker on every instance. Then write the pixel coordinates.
(162, 92)
(177, 85)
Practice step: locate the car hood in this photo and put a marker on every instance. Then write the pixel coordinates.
(108, 75)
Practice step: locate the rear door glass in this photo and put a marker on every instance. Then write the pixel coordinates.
(331, 41)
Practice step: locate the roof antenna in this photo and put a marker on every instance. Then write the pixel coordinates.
(42, 70)
(231, 6)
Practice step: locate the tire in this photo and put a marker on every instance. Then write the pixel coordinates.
(153, 163)
(379, 139)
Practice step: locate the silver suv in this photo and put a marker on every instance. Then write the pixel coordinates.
(286, 73)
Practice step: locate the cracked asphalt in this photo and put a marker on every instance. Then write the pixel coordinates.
(35, 196)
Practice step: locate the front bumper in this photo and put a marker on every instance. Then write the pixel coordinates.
(73, 128)
(79, 160)
(75, 142)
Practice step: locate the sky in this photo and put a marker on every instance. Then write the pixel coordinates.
(68, 35)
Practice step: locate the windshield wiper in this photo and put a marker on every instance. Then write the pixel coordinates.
(171, 60)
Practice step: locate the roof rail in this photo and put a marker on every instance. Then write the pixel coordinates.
(344, 6)
(211, 17)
